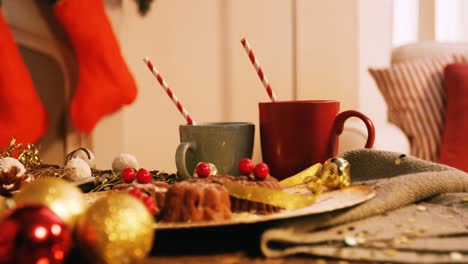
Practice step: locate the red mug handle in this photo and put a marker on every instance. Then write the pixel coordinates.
(341, 118)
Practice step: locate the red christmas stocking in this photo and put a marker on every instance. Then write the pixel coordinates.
(105, 83)
(22, 114)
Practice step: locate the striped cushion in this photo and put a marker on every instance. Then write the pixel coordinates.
(461, 58)
(415, 98)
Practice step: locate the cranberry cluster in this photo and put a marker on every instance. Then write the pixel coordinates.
(128, 175)
(246, 167)
(145, 198)
(142, 176)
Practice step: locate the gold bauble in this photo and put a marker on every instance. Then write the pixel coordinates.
(117, 228)
(63, 198)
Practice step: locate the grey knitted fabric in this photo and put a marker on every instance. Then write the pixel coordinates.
(419, 215)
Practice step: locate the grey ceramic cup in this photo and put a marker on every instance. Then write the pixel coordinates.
(223, 144)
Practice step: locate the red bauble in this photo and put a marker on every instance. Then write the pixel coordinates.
(128, 175)
(144, 176)
(33, 234)
(203, 170)
(261, 171)
(246, 166)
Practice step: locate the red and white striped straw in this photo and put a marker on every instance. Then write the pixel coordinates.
(169, 92)
(259, 70)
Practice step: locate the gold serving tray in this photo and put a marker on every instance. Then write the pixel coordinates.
(326, 202)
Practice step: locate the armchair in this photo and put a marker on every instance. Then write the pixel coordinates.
(388, 135)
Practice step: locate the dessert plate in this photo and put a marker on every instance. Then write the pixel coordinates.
(326, 202)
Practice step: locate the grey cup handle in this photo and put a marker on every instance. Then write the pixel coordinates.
(180, 157)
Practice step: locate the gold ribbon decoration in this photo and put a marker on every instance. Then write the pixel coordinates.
(269, 196)
(301, 177)
(333, 174)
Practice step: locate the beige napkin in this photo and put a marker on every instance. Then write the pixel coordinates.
(419, 215)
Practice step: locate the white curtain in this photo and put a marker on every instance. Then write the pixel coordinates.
(451, 20)
(440, 20)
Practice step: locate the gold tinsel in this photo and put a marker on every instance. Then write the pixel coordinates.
(28, 155)
(49, 171)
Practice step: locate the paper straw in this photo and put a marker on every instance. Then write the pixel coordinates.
(169, 92)
(259, 70)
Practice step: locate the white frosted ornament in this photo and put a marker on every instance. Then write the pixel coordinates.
(84, 154)
(124, 161)
(7, 163)
(80, 170)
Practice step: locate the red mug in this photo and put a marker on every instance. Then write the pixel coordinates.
(297, 134)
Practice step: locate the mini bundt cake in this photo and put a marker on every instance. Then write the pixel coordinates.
(190, 201)
(241, 205)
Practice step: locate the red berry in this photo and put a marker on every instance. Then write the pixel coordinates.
(144, 176)
(135, 192)
(246, 166)
(203, 170)
(261, 171)
(147, 200)
(128, 175)
(152, 209)
(149, 203)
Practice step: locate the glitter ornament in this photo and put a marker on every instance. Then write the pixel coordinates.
(80, 170)
(117, 228)
(124, 161)
(84, 154)
(63, 198)
(33, 234)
